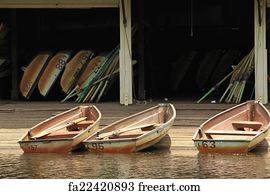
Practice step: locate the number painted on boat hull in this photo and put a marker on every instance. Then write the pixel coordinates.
(96, 146)
(207, 144)
(32, 147)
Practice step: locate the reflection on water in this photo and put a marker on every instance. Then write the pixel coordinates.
(152, 164)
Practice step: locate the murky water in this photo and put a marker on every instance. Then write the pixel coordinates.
(151, 164)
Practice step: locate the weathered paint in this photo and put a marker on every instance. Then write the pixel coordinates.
(32, 74)
(234, 143)
(261, 88)
(163, 115)
(221, 146)
(74, 69)
(55, 66)
(65, 144)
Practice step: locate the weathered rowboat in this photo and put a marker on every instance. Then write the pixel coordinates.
(74, 69)
(133, 133)
(32, 74)
(62, 133)
(94, 64)
(236, 130)
(52, 71)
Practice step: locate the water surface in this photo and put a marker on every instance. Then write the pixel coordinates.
(177, 164)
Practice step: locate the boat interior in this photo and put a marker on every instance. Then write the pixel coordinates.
(66, 125)
(242, 122)
(136, 125)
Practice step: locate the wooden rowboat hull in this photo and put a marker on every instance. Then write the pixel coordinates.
(32, 74)
(63, 140)
(74, 69)
(225, 146)
(236, 130)
(55, 66)
(132, 141)
(126, 145)
(91, 66)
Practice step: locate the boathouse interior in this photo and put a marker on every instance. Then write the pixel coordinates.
(178, 46)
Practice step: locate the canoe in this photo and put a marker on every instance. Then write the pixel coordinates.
(32, 74)
(55, 66)
(133, 133)
(62, 133)
(236, 130)
(74, 69)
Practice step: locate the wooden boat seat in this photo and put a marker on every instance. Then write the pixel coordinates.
(125, 131)
(122, 136)
(80, 125)
(231, 132)
(241, 125)
(61, 134)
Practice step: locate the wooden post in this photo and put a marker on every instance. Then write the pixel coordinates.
(141, 75)
(125, 54)
(261, 89)
(14, 55)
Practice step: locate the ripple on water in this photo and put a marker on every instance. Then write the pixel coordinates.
(154, 164)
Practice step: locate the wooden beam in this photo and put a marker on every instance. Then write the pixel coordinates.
(125, 54)
(58, 3)
(261, 88)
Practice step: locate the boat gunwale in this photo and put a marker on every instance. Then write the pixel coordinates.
(223, 140)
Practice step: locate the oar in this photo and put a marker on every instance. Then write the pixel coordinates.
(53, 129)
(214, 87)
(117, 132)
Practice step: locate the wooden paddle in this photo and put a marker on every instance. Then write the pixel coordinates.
(56, 128)
(117, 132)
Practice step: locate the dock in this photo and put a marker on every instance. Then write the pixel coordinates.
(17, 117)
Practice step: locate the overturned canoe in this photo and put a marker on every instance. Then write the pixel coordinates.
(134, 133)
(62, 133)
(74, 69)
(236, 130)
(32, 74)
(55, 66)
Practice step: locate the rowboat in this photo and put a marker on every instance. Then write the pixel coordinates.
(55, 66)
(74, 69)
(236, 130)
(133, 133)
(32, 74)
(91, 66)
(62, 133)
(99, 72)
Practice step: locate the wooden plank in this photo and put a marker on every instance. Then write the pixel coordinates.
(123, 130)
(58, 126)
(231, 132)
(247, 124)
(58, 3)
